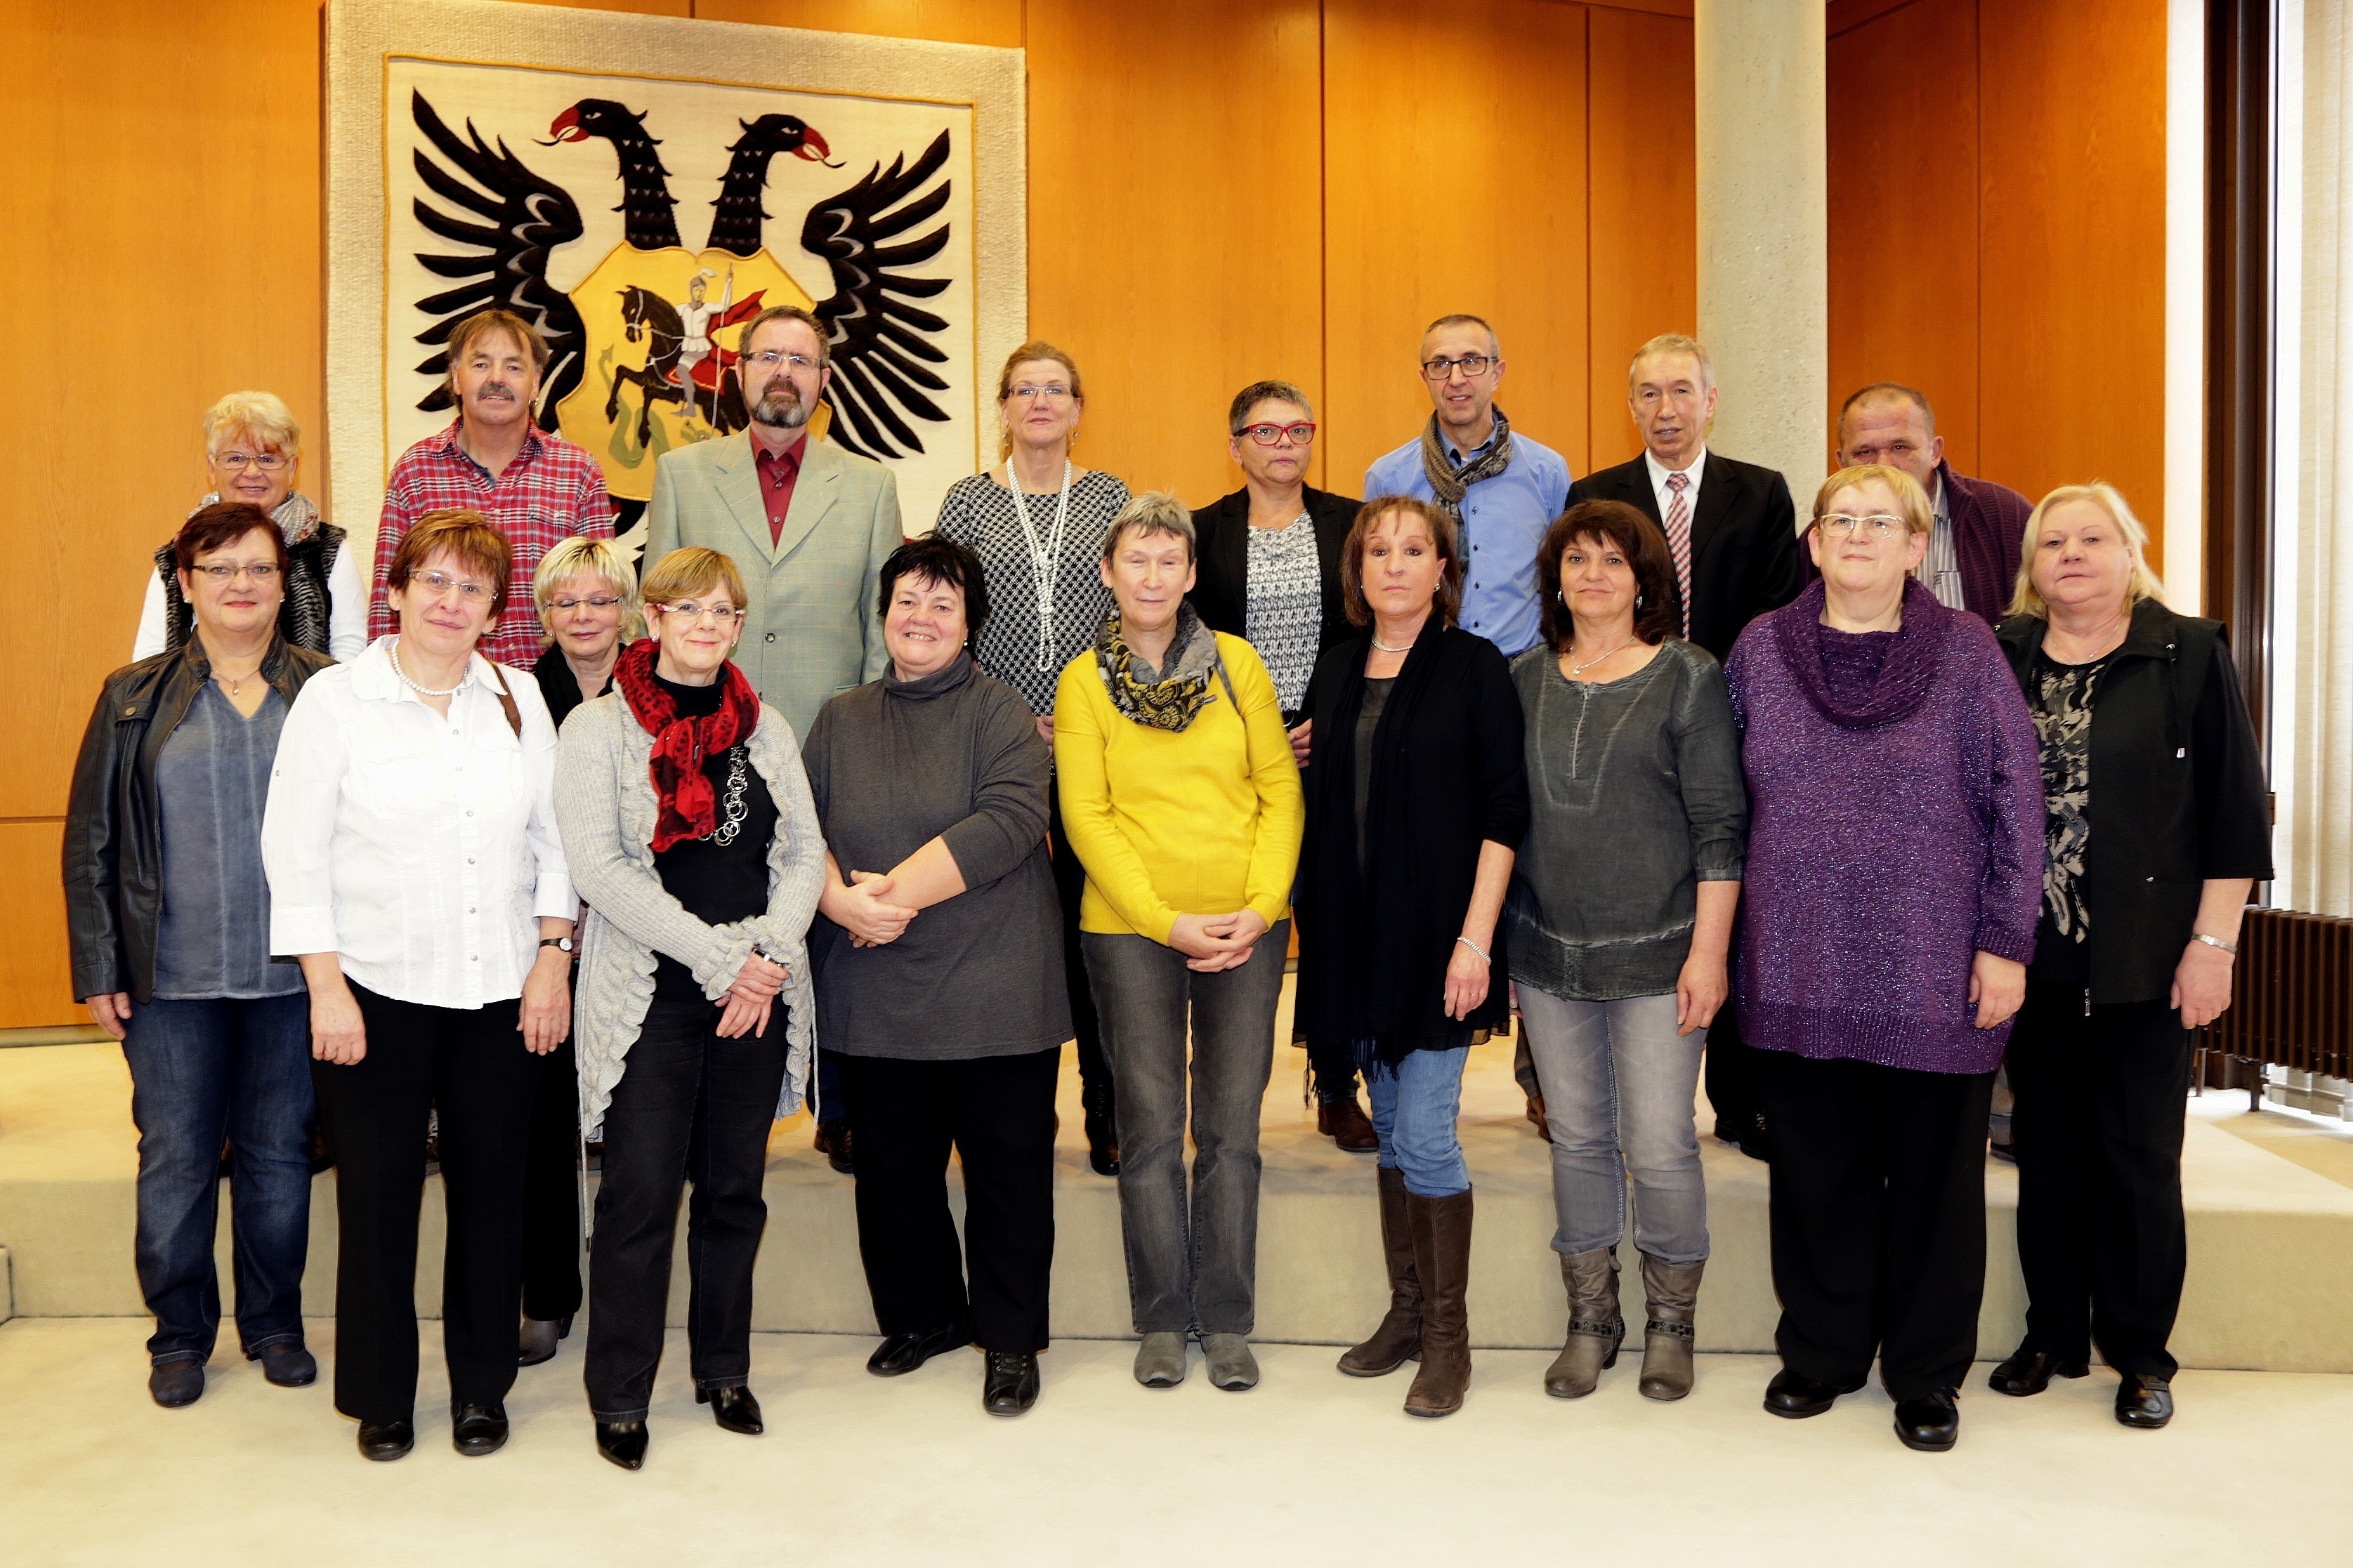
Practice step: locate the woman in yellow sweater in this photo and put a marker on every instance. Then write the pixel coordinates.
(1182, 802)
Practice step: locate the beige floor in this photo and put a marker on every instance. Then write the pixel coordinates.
(1312, 1468)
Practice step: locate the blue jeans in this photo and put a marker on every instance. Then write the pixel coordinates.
(1618, 1083)
(202, 1071)
(1415, 1107)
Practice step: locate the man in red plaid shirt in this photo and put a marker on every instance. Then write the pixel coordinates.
(536, 488)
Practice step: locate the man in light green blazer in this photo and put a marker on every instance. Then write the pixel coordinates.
(808, 525)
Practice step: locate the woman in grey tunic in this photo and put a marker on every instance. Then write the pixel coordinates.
(1621, 921)
(939, 969)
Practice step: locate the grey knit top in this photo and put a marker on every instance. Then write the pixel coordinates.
(956, 756)
(1636, 797)
(604, 807)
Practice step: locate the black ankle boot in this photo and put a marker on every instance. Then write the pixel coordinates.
(623, 1442)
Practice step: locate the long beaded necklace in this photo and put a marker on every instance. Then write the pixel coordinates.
(1045, 556)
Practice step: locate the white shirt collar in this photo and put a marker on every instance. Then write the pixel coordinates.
(374, 678)
(1659, 471)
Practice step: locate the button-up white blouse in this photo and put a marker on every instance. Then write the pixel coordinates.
(420, 851)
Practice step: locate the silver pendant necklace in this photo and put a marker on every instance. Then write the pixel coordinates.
(1577, 669)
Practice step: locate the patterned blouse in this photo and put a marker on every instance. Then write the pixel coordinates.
(1285, 615)
(2061, 699)
(980, 514)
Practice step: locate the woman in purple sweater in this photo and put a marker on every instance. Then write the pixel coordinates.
(1893, 879)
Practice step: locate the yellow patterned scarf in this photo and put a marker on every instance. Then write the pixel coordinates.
(1174, 701)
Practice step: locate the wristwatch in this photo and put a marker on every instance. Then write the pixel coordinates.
(561, 943)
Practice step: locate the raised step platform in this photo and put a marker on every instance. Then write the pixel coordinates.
(2271, 1226)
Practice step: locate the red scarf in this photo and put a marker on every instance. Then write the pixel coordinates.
(686, 804)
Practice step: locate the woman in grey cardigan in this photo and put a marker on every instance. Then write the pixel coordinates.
(700, 858)
(1634, 774)
(941, 967)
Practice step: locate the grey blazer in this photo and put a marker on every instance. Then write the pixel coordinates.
(810, 631)
(605, 808)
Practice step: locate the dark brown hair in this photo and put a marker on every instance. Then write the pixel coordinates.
(1443, 533)
(929, 557)
(1633, 535)
(220, 525)
(464, 533)
(482, 324)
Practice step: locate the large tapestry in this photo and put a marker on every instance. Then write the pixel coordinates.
(637, 188)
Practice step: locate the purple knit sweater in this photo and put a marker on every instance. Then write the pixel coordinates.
(1895, 828)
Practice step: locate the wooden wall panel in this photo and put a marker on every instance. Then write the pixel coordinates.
(995, 23)
(1642, 233)
(1904, 215)
(2073, 201)
(35, 985)
(1454, 180)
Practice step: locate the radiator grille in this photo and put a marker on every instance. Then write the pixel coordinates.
(2293, 1003)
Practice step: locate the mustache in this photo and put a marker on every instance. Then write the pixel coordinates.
(494, 389)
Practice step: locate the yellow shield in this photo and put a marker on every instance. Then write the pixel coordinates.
(633, 402)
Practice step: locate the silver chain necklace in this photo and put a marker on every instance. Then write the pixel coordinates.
(1045, 558)
(732, 809)
(1577, 669)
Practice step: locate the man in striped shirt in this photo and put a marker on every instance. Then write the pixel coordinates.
(536, 488)
(1980, 528)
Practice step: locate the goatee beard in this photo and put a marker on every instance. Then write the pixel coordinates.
(773, 411)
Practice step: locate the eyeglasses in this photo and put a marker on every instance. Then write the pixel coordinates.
(1052, 392)
(237, 462)
(221, 571)
(601, 601)
(1473, 366)
(1879, 525)
(437, 584)
(769, 359)
(687, 610)
(1301, 434)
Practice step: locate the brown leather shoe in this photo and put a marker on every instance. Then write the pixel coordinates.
(1399, 1339)
(1596, 1327)
(1670, 1296)
(1345, 1122)
(1441, 1260)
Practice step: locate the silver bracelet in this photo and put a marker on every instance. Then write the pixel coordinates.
(1475, 948)
(2229, 947)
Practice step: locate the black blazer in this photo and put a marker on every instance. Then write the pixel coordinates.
(2177, 791)
(1448, 775)
(1221, 593)
(1745, 559)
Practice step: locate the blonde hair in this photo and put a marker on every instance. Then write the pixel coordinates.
(2027, 600)
(1919, 512)
(580, 556)
(689, 571)
(261, 417)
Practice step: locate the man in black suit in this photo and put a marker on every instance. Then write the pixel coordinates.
(1733, 532)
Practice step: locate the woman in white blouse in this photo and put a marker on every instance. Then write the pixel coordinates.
(413, 868)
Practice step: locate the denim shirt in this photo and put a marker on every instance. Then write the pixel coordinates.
(1503, 522)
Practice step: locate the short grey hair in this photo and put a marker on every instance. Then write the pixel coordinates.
(1154, 511)
(1881, 393)
(1258, 391)
(580, 556)
(1672, 344)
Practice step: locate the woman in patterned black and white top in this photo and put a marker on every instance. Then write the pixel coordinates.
(1270, 571)
(1037, 524)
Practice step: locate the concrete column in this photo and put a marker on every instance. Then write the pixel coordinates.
(1764, 232)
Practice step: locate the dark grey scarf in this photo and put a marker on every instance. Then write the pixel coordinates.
(1449, 482)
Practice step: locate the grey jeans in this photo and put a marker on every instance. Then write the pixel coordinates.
(1619, 1084)
(1190, 1266)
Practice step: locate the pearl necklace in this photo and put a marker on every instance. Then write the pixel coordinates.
(420, 690)
(1045, 556)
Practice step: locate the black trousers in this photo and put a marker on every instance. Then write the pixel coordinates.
(1732, 1069)
(1069, 885)
(691, 1107)
(469, 1064)
(1878, 1219)
(997, 1114)
(2098, 1127)
(551, 1193)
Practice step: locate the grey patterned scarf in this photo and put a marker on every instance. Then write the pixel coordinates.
(1170, 698)
(312, 546)
(1449, 482)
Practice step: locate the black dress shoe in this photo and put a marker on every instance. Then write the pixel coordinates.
(176, 1383)
(832, 1141)
(478, 1429)
(386, 1441)
(732, 1408)
(2031, 1371)
(1931, 1423)
(289, 1365)
(539, 1339)
(1103, 1143)
(623, 1442)
(2144, 1401)
(1797, 1396)
(902, 1353)
(1011, 1385)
